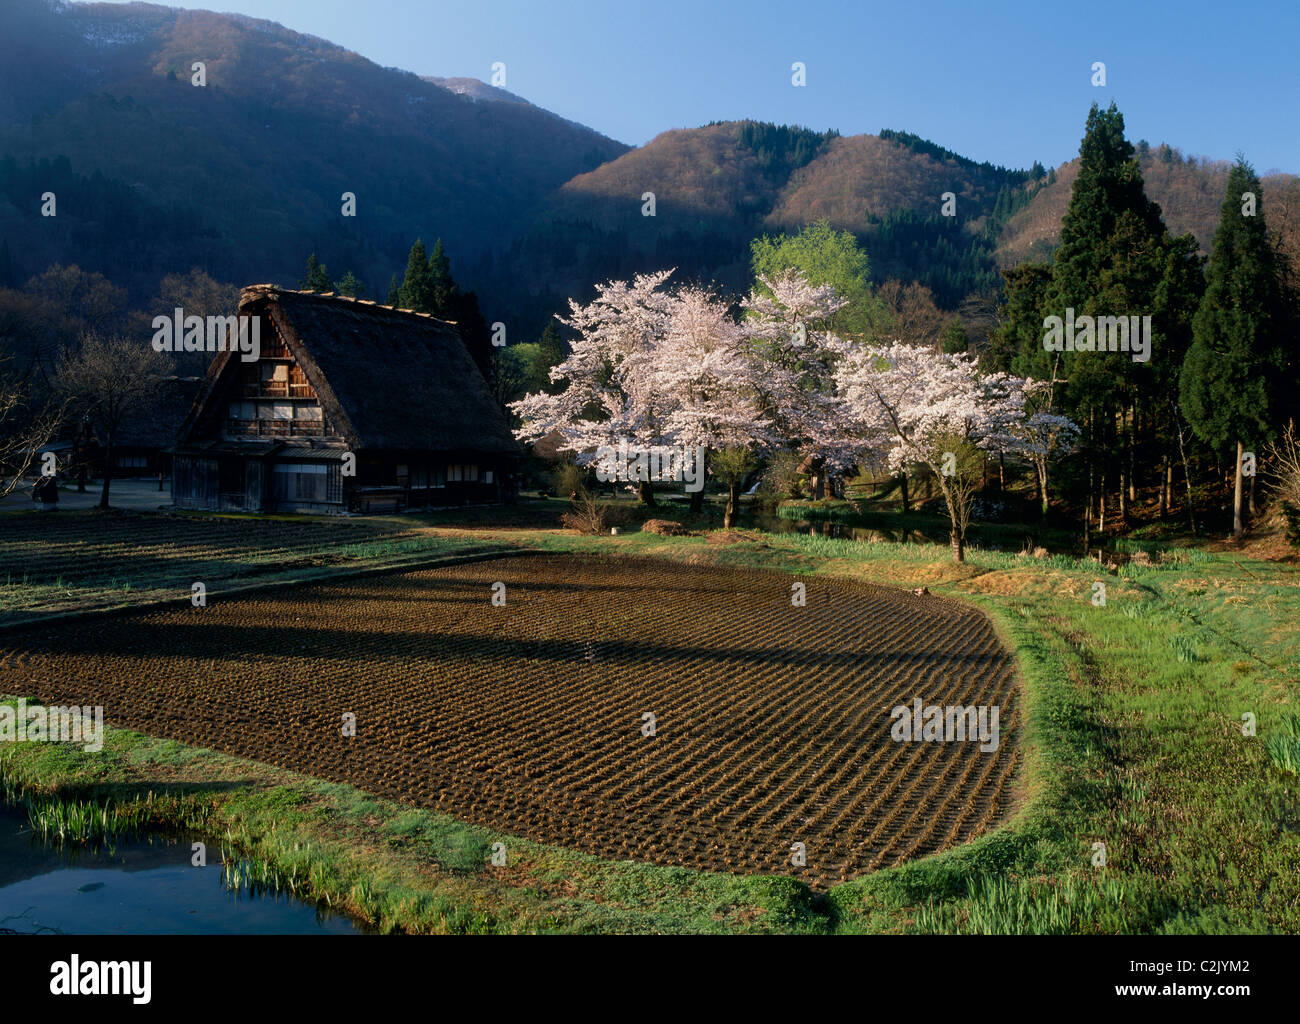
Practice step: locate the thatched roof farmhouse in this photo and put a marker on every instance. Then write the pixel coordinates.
(350, 406)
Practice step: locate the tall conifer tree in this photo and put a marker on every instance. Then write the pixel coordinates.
(318, 277)
(1233, 382)
(1117, 259)
(417, 291)
(442, 289)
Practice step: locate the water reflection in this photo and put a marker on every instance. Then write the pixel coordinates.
(143, 885)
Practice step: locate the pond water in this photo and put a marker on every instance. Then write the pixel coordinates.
(143, 885)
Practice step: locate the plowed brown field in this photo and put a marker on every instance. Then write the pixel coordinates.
(772, 721)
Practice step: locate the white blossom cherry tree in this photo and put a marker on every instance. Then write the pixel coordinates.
(712, 377)
(610, 390)
(787, 323)
(660, 371)
(920, 406)
(673, 370)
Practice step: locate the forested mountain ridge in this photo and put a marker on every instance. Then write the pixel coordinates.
(1189, 191)
(243, 177)
(255, 161)
(716, 187)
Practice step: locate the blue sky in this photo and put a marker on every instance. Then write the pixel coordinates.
(999, 80)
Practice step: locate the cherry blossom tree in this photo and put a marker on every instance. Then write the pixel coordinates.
(659, 371)
(787, 322)
(1022, 422)
(916, 405)
(712, 378)
(609, 393)
(663, 371)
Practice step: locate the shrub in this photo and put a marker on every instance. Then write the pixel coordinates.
(782, 479)
(569, 479)
(586, 515)
(1283, 461)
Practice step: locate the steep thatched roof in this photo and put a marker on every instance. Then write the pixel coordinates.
(386, 378)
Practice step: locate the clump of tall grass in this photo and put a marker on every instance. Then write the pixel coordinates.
(62, 821)
(1284, 746)
(1185, 557)
(1021, 906)
(246, 876)
(58, 819)
(1185, 648)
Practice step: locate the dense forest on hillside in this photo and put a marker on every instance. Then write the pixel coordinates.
(249, 170)
(243, 177)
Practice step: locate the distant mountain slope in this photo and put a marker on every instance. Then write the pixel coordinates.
(261, 155)
(244, 177)
(1189, 192)
(717, 187)
(864, 178)
(475, 89)
(697, 175)
(712, 187)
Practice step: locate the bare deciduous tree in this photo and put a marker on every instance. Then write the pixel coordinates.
(114, 380)
(22, 432)
(1282, 462)
(199, 295)
(915, 316)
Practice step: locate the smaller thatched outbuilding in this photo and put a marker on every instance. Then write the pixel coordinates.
(143, 444)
